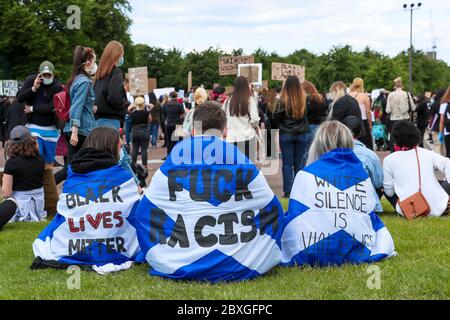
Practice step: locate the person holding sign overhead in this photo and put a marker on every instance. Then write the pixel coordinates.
(331, 218)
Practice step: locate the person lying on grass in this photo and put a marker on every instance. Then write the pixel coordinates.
(401, 171)
(331, 218)
(23, 178)
(94, 226)
(209, 213)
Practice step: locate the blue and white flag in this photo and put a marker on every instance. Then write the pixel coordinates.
(209, 215)
(95, 222)
(331, 218)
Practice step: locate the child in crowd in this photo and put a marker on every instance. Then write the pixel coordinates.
(23, 177)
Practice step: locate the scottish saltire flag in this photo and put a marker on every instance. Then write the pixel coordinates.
(209, 215)
(95, 222)
(331, 218)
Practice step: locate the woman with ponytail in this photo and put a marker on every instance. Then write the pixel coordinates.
(81, 116)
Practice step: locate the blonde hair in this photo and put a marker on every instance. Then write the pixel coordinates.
(200, 96)
(329, 136)
(398, 83)
(339, 87)
(139, 102)
(357, 85)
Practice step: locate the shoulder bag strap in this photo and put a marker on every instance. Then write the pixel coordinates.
(418, 165)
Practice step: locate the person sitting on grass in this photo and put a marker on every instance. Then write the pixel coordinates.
(94, 226)
(209, 214)
(331, 218)
(23, 177)
(369, 159)
(401, 171)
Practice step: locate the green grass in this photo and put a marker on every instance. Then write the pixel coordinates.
(421, 271)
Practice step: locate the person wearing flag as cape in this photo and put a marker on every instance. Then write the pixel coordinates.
(94, 226)
(331, 218)
(209, 213)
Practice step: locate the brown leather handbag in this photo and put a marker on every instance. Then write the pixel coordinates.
(416, 205)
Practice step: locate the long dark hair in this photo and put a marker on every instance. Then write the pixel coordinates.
(152, 98)
(446, 97)
(239, 101)
(293, 98)
(104, 139)
(80, 57)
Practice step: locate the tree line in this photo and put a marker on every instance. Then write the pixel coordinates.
(31, 31)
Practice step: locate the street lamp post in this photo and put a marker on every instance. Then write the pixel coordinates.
(411, 8)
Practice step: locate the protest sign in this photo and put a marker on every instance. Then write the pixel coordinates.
(95, 222)
(209, 215)
(229, 65)
(281, 71)
(138, 81)
(253, 73)
(152, 84)
(1, 87)
(10, 88)
(331, 215)
(163, 91)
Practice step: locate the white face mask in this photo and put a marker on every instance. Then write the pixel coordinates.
(48, 81)
(93, 69)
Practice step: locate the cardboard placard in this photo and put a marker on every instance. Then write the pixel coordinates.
(229, 65)
(152, 84)
(253, 73)
(10, 87)
(138, 81)
(281, 71)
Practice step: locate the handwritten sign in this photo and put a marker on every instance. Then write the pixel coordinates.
(10, 87)
(281, 71)
(229, 65)
(138, 81)
(253, 73)
(152, 84)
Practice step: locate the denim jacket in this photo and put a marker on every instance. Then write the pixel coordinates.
(81, 104)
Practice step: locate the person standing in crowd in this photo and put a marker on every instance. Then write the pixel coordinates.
(400, 105)
(422, 116)
(173, 115)
(369, 159)
(241, 109)
(295, 136)
(23, 177)
(155, 113)
(164, 100)
(110, 96)
(37, 93)
(444, 124)
(343, 105)
(4, 107)
(140, 120)
(200, 97)
(357, 91)
(127, 125)
(434, 123)
(81, 116)
(401, 171)
(315, 105)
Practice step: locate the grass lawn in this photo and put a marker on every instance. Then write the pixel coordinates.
(420, 271)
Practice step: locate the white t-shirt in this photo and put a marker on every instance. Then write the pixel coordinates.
(401, 177)
(241, 128)
(442, 110)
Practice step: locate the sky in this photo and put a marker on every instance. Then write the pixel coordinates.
(284, 26)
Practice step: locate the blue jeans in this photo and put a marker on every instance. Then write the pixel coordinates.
(154, 128)
(114, 123)
(293, 150)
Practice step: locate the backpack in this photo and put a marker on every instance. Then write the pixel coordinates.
(61, 102)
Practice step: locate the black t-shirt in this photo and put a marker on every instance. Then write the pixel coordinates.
(317, 112)
(173, 113)
(139, 117)
(28, 173)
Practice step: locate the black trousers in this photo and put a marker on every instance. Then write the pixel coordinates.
(168, 135)
(367, 139)
(7, 211)
(140, 141)
(447, 145)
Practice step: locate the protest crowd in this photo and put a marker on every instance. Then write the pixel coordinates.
(208, 212)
